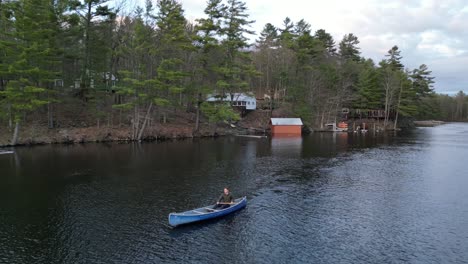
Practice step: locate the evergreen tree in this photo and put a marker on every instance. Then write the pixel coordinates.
(268, 37)
(348, 48)
(208, 50)
(306, 46)
(7, 41)
(422, 81)
(406, 105)
(91, 14)
(393, 82)
(287, 33)
(237, 67)
(138, 85)
(369, 93)
(394, 58)
(327, 41)
(33, 63)
(267, 53)
(174, 43)
(423, 89)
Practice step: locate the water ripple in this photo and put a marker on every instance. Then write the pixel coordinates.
(322, 199)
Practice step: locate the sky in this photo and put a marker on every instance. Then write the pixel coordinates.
(431, 32)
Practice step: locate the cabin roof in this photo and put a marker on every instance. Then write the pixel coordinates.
(286, 121)
(235, 97)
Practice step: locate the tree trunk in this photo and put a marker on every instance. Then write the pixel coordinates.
(386, 105)
(10, 119)
(50, 116)
(134, 122)
(120, 118)
(321, 120)
(398, 107)
(14, 140)
(197, 121)
(140, 134)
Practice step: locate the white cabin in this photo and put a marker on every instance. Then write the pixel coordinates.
(238, 99)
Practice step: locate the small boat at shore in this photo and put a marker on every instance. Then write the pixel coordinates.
(6, 152)
(205, 213)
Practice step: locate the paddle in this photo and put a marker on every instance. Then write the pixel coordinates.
(212, 210)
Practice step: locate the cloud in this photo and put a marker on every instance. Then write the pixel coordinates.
(432, 32)
(426, 31)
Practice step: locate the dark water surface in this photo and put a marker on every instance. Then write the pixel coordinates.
(326, 198)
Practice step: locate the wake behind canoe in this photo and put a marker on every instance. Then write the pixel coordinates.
(205, 213)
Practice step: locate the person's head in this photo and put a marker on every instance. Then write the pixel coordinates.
(226, 190)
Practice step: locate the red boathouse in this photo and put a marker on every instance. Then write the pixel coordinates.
(286, 126)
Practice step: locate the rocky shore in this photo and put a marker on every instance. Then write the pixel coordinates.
(41, 135)
(179, 128)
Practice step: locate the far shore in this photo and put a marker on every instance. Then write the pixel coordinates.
(42, 136)
(34, 135)
(428, 123)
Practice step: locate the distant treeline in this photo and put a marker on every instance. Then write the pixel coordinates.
(448, 108)
(60, 59)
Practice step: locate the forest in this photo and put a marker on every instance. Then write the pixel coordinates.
(72, 63)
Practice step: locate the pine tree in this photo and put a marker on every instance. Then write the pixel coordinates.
(208, 53)
(422, 81)
(33, 64)
(369, 92)
(286, 33)
(267, 53)
(236, 66)
(7, 40)
(394, 58)
(93, 49)
(348, 49)
(406, 103)
(327, 41)
(422, 85)
(138, 84)
(174, 43)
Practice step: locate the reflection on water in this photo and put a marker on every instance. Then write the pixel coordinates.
(290, 146)
(323, 198)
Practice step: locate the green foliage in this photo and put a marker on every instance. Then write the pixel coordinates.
(234, 69)
(348, 47)
(161, 102)
(394, 58)
(407, 106)
(369, 92)
(29, 58)
(327, 41)
(268, 37)
(219, 112)
(162, 60)
(20, 98)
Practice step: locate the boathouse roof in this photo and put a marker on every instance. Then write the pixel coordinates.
(286, 121)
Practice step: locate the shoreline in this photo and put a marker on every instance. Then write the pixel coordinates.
(428, 123)
(45, 136)
(36, 135)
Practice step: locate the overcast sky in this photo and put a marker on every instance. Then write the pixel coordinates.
(431, 32)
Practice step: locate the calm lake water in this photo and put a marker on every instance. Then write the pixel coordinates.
(325, 198)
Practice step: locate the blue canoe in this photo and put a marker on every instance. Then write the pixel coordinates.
(205, 213)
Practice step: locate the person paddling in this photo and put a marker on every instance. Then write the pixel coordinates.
(225, 200)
